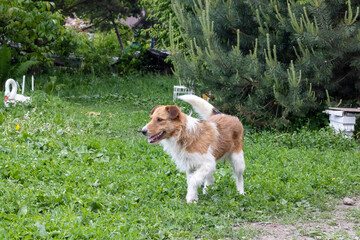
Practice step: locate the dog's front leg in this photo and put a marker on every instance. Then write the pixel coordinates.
(196, 178)
(191, 195)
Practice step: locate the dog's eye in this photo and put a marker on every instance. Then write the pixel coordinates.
(160, 120)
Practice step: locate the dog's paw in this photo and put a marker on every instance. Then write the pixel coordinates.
(242, 193)
(192, 199)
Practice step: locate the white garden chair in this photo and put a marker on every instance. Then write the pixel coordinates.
(182, 90)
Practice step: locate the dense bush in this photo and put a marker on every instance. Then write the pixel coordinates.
(161, 15)
(8, 70)
(35, 31)
(135, 59)
(271, 61)
(32, 28)
(101, 50)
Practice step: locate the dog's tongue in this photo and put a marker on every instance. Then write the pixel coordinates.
(155, 138)
(6, 98)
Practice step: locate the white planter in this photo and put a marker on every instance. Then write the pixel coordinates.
(343, 119)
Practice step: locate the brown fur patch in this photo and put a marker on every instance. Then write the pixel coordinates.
(225, 137)
(200, 140)
(230, 137)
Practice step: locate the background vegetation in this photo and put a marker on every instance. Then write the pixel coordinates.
(32, 28)
(74, 165)
(271, 62)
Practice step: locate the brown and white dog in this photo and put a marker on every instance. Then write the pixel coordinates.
(195, 145)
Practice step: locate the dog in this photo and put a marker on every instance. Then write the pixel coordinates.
(196, 145)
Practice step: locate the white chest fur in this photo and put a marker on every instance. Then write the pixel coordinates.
(184, 160)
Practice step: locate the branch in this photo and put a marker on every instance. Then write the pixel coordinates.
(249, 80)
(74, 5)
(92, 25)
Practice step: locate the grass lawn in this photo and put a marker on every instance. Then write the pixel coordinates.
(74, 165)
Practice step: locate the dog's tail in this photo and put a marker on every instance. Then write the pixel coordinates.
(201, 106)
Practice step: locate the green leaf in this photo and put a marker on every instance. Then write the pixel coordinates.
(22, 68)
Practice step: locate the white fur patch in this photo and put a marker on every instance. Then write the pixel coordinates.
(145, 127)
(239, 161)
(191, 124)
(201, 106)
(184, 160)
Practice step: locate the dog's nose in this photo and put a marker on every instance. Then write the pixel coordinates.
(144, 131)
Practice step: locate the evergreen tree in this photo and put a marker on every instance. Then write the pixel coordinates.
(269, 60)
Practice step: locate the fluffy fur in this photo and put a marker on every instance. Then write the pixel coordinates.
(196, 145)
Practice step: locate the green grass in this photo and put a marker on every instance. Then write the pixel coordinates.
(67, 174)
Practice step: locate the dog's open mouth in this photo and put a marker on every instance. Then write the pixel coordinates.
(156, 137)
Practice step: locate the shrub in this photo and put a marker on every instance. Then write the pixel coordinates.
(7, 70)
(32, 28)
(98, 51)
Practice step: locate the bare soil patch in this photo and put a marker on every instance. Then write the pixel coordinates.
(341, 223)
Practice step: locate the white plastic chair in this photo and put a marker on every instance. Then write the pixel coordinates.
(182, 90)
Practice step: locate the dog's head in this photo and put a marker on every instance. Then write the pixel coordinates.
(164, 123)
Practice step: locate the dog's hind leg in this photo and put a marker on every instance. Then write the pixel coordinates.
(238, 164)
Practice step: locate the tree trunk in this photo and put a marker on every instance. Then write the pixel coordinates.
(118, 35)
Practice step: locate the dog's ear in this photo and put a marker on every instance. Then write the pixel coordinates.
(153, 110)
(174, 111)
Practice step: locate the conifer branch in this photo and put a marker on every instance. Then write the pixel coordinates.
(207, 26)
(228, 5)
(192, 54)
(349, 19)
(294, 81)
(316, 3)
(311, 94)
(270, 58)
(273, 4)
(328, 101)
(323, 23)
(209, 52)
(236, 48)
(253, 55)
(250, 80)
(261, 28)
(265, 15)
(175, 50)
(278, 15)
(198, 50)
(171, 35)
(310, 26)
(298, 27)
(221, 58)
(298, 56)
(208, 31)
(304, 51)
(179, 11)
